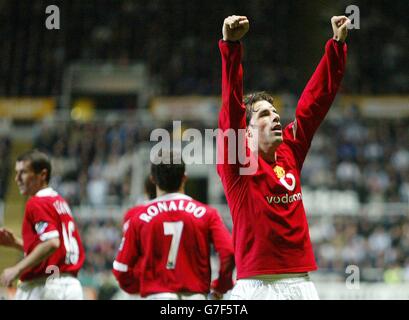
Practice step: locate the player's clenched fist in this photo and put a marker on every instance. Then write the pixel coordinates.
(235, 27)
(339, 26)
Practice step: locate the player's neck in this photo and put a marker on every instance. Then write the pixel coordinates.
(34, 191)
(266, 151)
(269, 156)
(160, 192)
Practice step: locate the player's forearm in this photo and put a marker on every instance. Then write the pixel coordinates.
(19, 244)
(232, 114)
(40, 253)
(128, 281)
(331, 69)
(225, 279)
(322, 88)
(224, 247)
(129, 287)
(325, 81)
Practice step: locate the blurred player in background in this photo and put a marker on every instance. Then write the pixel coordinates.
(270, 231)
(149, 190)
(52, 246)
(169, 239)
(149, 194)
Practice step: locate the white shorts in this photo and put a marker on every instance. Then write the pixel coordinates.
(175, 296)
(294, 288)
(66, 287)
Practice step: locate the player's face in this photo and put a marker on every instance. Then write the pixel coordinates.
(266, 121)
(27, 180)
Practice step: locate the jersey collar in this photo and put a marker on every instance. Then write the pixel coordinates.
(46, 192)
(172, 196)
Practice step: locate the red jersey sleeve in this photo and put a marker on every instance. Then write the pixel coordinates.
(223, 245)
(232, 115)
(124, 267)
(128, 215)
(40, 217)
(233, 112)
(317, 98)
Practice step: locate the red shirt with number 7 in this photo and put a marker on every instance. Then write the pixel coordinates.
(167, 246)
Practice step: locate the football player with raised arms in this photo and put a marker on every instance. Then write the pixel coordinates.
(271, 238)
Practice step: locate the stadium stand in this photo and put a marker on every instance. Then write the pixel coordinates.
(33, 59)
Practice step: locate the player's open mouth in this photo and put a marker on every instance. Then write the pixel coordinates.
(277, 128)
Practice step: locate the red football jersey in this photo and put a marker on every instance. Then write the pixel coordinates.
(167, 245)
(48, 216)
(270, 229)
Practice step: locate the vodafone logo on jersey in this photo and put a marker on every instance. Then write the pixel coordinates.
(287, 180)
(290, 186)
(285, 199)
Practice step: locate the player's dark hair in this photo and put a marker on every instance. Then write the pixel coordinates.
(251, 99)
(167, 170)
(38, 161)
(150, 188)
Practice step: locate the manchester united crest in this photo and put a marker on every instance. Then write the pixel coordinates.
(279, 171)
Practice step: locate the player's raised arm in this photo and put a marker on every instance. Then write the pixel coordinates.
(232, 114)
(321, 89)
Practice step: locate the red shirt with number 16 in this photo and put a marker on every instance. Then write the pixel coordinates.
(48, 216)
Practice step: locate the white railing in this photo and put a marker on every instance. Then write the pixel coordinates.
(103, 212)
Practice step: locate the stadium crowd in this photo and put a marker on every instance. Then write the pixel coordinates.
(101, 238)
(182, 56)
(91, 161)
(367, 155)
(379, 247)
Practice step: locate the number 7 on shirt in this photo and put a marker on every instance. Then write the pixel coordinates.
(175, 230)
